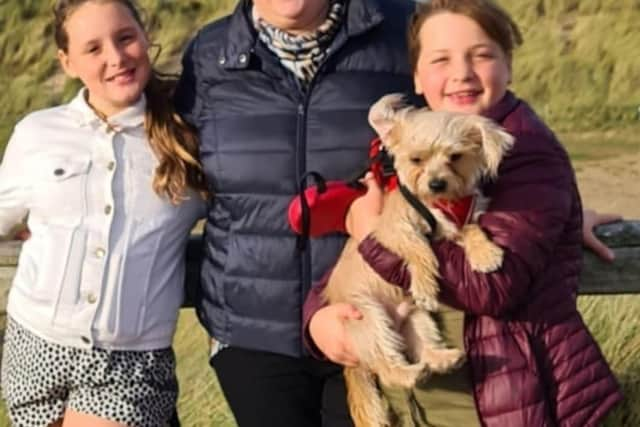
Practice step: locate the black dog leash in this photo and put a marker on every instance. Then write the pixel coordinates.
(386, 160)
(420, 207)
(321, 185)
(388, 169)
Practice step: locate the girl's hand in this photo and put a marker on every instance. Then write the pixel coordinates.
(328, 332)
(364, 212)
(591, 219)
(22, 234)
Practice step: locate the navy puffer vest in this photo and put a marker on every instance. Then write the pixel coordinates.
(260, 131)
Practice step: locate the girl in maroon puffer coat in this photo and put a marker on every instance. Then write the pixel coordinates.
(531, 360)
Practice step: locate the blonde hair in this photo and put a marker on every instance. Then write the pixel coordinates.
(172, 140)
(493, 20)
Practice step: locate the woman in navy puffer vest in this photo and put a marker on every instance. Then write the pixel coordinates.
(270, 106)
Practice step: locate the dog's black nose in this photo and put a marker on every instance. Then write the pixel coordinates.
(437, 185)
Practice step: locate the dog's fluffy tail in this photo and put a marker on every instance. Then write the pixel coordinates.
(365, 403)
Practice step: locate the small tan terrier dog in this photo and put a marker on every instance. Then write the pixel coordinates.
(437, 155)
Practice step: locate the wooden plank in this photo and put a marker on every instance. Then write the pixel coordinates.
(598, 277)
(9, 251)
(619, 277)
(623, 274)
(620, 234)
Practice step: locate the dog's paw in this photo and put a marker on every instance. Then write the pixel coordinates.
(444, 360)
(487, 260)
(482, 254)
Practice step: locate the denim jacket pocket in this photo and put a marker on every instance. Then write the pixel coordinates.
(59, 188)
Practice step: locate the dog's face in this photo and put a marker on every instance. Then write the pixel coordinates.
(438, 155)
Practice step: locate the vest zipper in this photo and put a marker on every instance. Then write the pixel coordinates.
(301, 163)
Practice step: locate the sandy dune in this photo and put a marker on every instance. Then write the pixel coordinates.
(611, 185)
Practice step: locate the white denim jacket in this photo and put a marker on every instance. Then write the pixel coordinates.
(104, 266)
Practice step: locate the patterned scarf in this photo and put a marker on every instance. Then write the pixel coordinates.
(302, 54)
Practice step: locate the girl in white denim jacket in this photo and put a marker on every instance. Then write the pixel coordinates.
(111, 185)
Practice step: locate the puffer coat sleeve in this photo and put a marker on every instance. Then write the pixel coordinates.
(533, 203)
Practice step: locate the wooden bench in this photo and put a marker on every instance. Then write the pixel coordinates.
(598, 277)
(621, 276)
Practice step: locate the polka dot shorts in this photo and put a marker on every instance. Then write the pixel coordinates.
(40, 380)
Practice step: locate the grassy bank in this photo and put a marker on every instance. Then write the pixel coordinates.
(29, 74)
(601, 144)
(577, 65)
(611, 319)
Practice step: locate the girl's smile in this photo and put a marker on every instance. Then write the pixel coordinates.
(465, 70)
(107, 50)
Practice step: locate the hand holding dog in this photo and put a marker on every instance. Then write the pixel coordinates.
(364, 212)
(327, 329)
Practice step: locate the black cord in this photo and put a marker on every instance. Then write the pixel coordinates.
(321, 187)
(420, 207)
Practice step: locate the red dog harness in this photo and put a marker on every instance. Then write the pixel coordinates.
(322, 208)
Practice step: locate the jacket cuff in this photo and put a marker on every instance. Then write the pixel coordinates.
(312, 304)
(387, 264)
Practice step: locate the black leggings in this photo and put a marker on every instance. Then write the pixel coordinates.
(266, 389)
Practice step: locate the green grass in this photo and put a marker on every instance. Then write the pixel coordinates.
(576, 63)
(29, 73)
(613, 322)
(611, 319)
(601, 144)
(201, 401)
(577, 66)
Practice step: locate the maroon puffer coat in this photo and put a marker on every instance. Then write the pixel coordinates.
(532, 360)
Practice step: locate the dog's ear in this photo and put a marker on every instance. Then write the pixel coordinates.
(493, 140)
(385, 114)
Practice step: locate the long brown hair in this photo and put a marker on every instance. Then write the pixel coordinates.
(493, 20)
(173, 141)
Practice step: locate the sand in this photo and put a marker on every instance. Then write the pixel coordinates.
(611, 185)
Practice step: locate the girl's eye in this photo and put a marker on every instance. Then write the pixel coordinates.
(415, 160)
(439, 60)
(455, 157)
(92, 49)
(484, 55)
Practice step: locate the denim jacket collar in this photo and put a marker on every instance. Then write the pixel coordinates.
(130, 117)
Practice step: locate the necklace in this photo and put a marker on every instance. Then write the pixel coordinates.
(102, 116)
